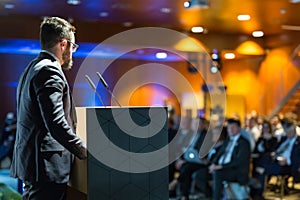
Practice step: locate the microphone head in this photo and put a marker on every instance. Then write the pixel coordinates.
(102, 80)
(90, 82)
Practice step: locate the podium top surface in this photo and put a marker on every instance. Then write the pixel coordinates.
(93, 107)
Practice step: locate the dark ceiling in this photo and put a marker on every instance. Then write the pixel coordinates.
(270, 16)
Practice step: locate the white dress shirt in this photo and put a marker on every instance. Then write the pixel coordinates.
(285, 149)
(226, 157)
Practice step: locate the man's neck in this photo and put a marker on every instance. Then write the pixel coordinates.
(53, 54)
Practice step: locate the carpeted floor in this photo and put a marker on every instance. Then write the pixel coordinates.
(269, 195)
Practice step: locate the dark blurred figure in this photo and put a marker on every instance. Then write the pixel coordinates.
(202, 176)
(277, 127)
(232, 162)
(8, 137)
(286, 159)
(265, 144)
(187, 168)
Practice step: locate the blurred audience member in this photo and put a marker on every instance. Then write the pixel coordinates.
(277, 127)
(232, 162)
(202, 176)
(8, 137)
(286, 159)
(254, 131)
(186, 167)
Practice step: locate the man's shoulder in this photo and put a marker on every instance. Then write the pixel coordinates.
(243, 140)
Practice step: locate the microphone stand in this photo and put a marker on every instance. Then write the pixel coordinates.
(107, 88)
(94, 88)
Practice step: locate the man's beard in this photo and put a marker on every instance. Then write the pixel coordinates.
(68, 62)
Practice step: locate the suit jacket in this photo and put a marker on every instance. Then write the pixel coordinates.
(240, 159)
(46, 123)
(295, 160)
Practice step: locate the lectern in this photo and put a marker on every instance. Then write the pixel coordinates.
(127, 153)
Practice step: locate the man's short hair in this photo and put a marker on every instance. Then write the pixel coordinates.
(234, 121)
(288, 124)
(53, 29)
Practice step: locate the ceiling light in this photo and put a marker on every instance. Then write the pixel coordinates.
(161, 55)
(257, 33)
(229, 56)
(127, 24)
(250, 48)
(165, 10)
(294, 1)
(199, 3)
(243, 17)
(187, 4)
(290, 27)
(214, 69)
(197, 29)
(216, 61)
(73, 2)
(9, 6)
(103, 14)
(282, 11)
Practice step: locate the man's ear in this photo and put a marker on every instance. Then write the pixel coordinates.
(63, 44)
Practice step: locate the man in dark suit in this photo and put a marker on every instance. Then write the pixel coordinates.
(232, 161)
(286, 159)
(46, 120)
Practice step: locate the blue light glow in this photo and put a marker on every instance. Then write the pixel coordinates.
(32, 47)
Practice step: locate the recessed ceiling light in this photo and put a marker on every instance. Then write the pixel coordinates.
(257, 33)
(73, 2)
(282, 11)
(103, 14)
(161, 55)
(9, 6)
(197, 29)
(214, 69)
(127, 24)
(71, 20)
(229, 56)
(243, 17)
(165, 10)
(187, 4)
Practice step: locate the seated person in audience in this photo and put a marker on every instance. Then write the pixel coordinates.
(187, 168)
(177, 143)
(277, 127)
(265, 144)
(8, 137)
(202, 176)
(254, 131)
(232, 161)
(286, 159)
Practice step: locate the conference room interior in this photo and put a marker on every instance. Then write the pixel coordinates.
(196, 57)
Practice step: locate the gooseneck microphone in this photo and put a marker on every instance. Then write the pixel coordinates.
(94, 88)
(107, 88)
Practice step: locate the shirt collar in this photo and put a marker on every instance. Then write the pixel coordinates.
(236, 137)
(50, 53)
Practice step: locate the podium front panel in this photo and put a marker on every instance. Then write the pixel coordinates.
(127, 153)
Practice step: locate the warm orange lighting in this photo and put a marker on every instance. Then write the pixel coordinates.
(250, 48)
(243, 17)
(229, 56)
(189, 45)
